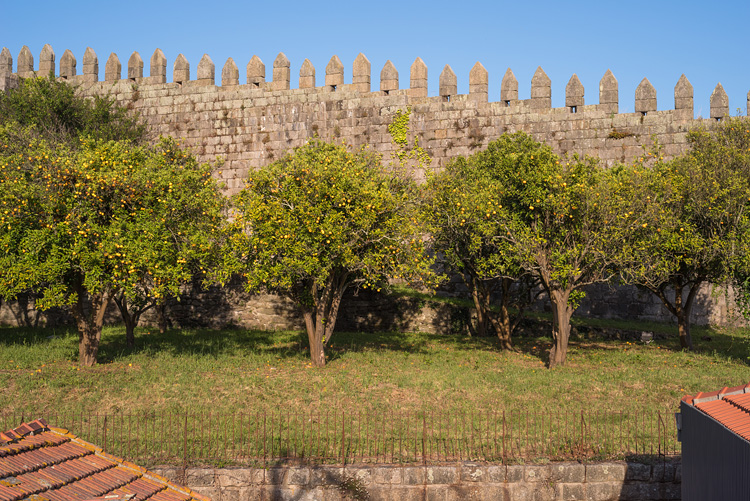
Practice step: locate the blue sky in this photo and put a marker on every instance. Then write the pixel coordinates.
(657, 39)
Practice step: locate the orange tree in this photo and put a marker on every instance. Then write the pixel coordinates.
(82, 224)
(461, 207)
(321, 220)
(688, 220)
(544, 216)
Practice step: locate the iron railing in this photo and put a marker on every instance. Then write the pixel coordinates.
(281, 436)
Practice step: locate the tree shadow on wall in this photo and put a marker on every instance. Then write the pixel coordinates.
(364, 310)
(199, 307)
(22, 313)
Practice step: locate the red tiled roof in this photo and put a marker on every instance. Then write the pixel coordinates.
(729, 406)
(41, 463)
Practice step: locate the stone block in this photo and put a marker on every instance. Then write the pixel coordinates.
(413, 475)
(298, 475)
(465, 493)
(230, 494)
(210, 492)
(638, 471)
(406, 493)
(571, 492)
(605, 472)
(536, 473)
(441, 475)
(567, 472)
(639, 491)
(495, 474)
(275, 476)
(249, 493)
(436, 493)
(473, 473)
(531, 492)
(233, 477)
(200, 477)
(603, 491)
(670, 491)
(663, 472)
(321, 476)
(514, 473)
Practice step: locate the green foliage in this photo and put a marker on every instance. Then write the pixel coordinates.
(103, 218)
(58, 115)
(112, 214)
(323, 219)
(688, 218)
(517, 207)
(464, 209)
(406, 154)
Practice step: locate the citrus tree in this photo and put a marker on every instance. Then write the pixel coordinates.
(461, 207)
(321, 220)
(693, 225)
(81, 225)
(545, 216)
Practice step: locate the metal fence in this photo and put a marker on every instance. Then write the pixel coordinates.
(387, 437)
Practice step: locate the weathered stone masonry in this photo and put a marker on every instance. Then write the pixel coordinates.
(246, 125)
(614, 480)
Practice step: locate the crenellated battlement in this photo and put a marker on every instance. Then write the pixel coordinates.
(250, 123)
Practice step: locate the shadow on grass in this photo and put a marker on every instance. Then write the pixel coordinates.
(532, 339)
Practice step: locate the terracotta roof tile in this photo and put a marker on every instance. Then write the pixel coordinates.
(40, 463)
(729, 406)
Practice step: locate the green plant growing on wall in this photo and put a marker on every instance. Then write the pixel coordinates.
(322, 220)
(407, 154)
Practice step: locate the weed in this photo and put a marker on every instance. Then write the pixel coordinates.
(619, 134)
(353, 488)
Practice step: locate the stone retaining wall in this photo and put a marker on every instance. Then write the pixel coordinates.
(616, 480)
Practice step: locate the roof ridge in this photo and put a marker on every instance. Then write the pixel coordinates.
(24, 429)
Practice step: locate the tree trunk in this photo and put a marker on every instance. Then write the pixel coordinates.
(683, 314)
(561, 314)
(501, 321)
(481, 304)
(161, 315)
(89, 326)
(130, 319)
(679, 310)
(320, 320)
(314, 338)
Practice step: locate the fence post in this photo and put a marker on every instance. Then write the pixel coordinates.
(343, 439)
(104, 448)
(424, 437)
(504, 437)
(184, 443)
(583, 431)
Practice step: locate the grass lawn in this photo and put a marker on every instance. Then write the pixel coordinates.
(237, 370)
(250, 397)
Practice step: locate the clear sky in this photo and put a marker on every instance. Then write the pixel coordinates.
(656, 39)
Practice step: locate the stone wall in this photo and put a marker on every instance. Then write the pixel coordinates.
(247, 125)
(619, 480)
(244, 126)
(368, 312)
